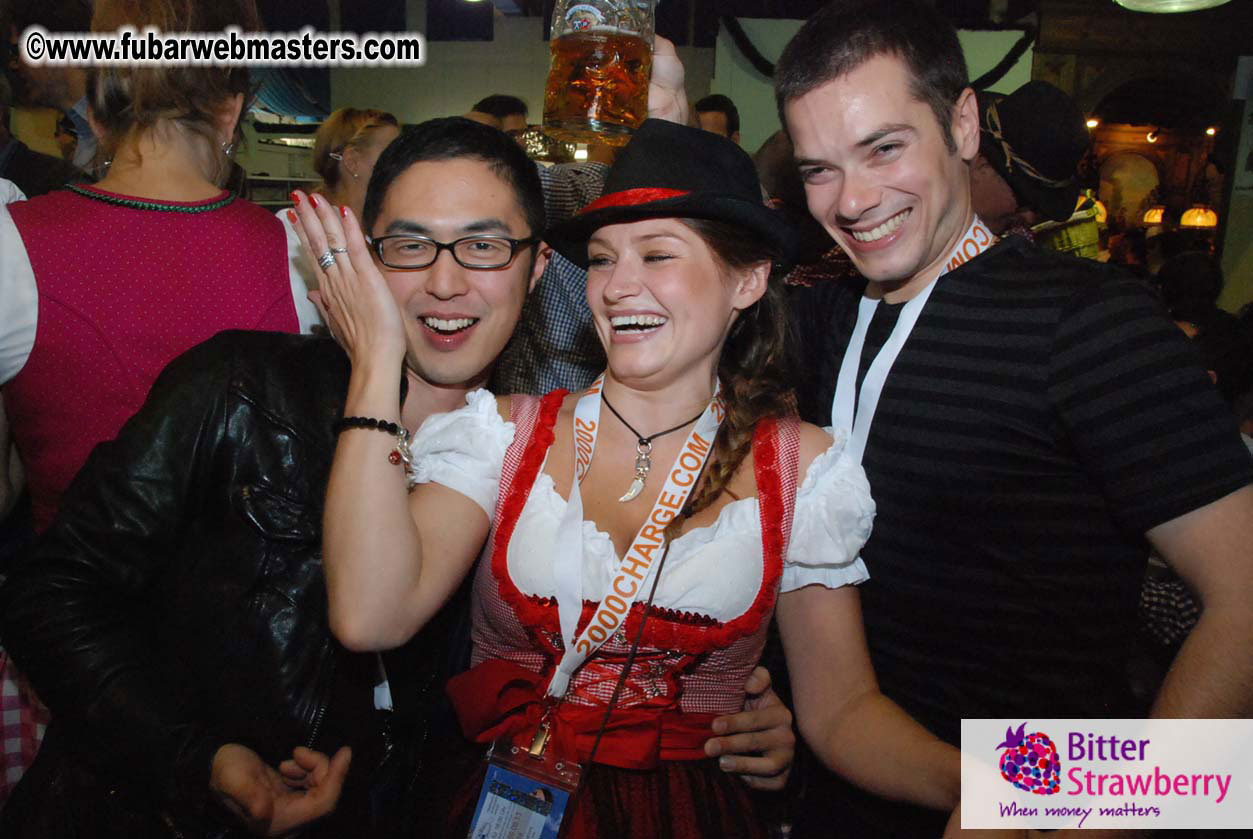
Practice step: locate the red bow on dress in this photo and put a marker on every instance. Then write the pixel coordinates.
(499, 699)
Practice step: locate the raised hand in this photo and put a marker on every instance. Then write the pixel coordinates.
(758, 743)
(353, 295)
(667, 98)
(269, 803)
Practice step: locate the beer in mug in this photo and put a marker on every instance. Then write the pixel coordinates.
(601, 61)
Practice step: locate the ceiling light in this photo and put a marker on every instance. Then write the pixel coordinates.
(1211, 131)
(1093, 122)
(1168, 6)
(1151, 136)
(1153, 215)
(1199, 216)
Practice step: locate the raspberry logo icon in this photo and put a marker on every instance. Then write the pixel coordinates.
(1030, 762)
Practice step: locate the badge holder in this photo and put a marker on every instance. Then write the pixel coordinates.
(526, 792)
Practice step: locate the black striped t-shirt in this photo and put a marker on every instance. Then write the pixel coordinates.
(1043, 415)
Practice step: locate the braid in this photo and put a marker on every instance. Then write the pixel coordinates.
(753, 370)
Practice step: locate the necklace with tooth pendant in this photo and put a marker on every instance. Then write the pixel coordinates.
(643, 448)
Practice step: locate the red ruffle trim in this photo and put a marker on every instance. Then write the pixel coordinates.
(530, 614)
(667, 629)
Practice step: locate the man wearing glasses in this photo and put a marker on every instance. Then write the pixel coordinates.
(174, 616)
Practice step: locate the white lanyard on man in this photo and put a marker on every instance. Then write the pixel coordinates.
(857, 424)
(635, 569)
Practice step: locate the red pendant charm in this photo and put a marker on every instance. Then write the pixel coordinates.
(393, 457)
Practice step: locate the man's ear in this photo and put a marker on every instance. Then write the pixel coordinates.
(542, 254)
(751, 285)
(965, 127)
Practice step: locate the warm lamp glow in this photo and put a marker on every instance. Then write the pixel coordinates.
(1151, 136)
(1093, 122)
(1168, 6)
(580, 153)
(1153, 215)
(1199, 216)
(1211, 131)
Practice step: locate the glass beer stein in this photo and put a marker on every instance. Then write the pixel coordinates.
(602, 56)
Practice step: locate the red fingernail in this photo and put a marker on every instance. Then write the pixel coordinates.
(343, 211)
(291, 216)
(295, 198)
(313, 199)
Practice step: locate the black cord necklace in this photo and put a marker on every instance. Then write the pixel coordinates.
(643, 448)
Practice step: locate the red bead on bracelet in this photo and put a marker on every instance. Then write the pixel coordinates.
(399, 455)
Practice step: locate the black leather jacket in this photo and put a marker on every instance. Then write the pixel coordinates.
(177, 603)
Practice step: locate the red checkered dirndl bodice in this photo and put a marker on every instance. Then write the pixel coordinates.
(689, 667)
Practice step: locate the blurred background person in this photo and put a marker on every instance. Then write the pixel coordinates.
(717, 114)
(345, 149)
(71, 258)
(508, 113)
(59, 87)
(32, 172)
(1030, 145)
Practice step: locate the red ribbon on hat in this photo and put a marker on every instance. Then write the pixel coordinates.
(633, 197)
(498, 698)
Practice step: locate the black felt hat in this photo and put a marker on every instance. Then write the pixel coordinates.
(671, 170)
(1035, 138)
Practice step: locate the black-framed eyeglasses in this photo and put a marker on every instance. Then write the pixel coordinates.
(404, 251)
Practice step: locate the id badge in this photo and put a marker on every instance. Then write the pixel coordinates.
(525, 795)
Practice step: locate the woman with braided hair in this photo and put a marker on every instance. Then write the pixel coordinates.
(639, 535)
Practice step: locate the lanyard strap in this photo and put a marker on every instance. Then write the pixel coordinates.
(635, 567)
(857, 423)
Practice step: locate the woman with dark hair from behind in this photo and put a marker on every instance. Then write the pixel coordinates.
(610, 628)
(101, 286)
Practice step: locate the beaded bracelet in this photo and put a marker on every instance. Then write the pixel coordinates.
(399, 455)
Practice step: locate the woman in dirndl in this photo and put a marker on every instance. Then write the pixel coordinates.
(640, 535)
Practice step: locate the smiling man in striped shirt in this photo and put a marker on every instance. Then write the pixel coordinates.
(1030, 422)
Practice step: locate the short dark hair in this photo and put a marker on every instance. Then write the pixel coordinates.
(500, 106)
(845, 34)
(450, 138)
(723, 105)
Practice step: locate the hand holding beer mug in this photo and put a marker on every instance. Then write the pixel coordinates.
(667, 97)
(601, 62)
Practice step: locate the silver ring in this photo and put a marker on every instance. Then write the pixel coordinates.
(326, 260)
(339, 250)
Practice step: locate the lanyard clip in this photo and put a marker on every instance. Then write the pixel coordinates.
(540, 741)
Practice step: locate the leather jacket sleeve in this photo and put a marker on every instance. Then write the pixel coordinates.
(80, 612)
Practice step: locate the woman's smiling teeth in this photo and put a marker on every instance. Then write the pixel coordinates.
(889, 226)
(636, 323)
(447, 326)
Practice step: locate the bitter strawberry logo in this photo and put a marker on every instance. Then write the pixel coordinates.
(1030, 762)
